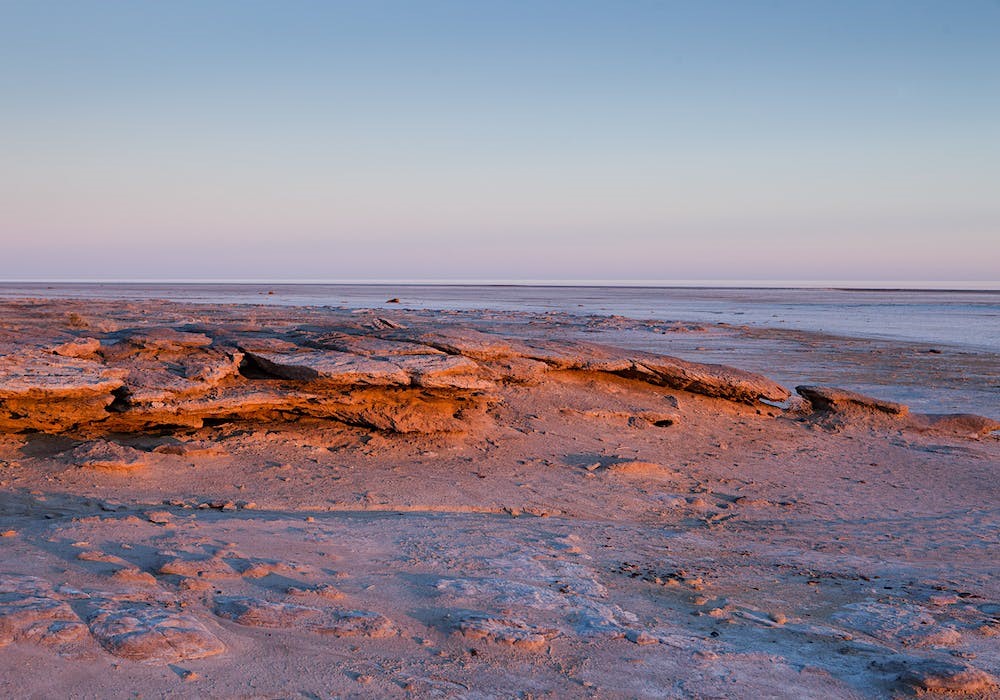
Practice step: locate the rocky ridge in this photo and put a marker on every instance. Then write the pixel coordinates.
(405, 375)
(381, 376)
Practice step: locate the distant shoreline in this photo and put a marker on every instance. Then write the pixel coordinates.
(954, 317)
(831, 285)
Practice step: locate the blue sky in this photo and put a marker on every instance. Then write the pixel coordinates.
(500, 140)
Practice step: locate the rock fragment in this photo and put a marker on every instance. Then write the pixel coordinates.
(133, 575)
(31, 611)
(641, 469)
(958, 424)
(356, 623)
(206, 568)
(504, 630)
(948, 677)
(340, 367)
(832, 399)
(78, 347)
(42, 391)
(109, 456)
(254, 612)
(153, 634)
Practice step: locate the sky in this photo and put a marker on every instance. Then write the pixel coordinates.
(473, 139)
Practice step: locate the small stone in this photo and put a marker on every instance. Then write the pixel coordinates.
(194, 584)
(641, 469)
(323, 590)
(94, 555)
(642, 638)
(134, 575)
(943, 599)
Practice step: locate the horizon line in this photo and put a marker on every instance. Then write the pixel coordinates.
(856, 285)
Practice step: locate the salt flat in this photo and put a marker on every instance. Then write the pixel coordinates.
(252, 501)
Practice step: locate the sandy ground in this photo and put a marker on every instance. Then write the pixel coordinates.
(589, 535)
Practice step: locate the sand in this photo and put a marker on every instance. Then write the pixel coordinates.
(227, 501)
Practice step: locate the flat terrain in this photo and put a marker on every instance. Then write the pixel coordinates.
(277, 502)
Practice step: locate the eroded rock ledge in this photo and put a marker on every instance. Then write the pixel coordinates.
(408, 374)
(370, 372)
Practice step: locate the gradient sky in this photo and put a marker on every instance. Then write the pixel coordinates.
(291, 139)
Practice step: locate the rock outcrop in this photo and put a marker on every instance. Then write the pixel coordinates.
(49, 392)
(384, 375)
(378, 373)
(840, 406)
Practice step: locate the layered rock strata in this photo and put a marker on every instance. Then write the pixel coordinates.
(386, 377)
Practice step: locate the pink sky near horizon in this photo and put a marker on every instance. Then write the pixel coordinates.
(587, 140)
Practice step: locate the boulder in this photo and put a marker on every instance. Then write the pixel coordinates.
(719, 381)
